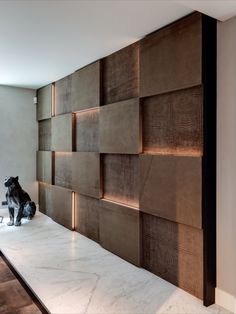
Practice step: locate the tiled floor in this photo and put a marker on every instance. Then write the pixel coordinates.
(72, 274)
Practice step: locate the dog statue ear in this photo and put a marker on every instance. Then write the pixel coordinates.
(17, 178)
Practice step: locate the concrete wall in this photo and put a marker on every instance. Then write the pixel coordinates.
(18, 138)
(226, 164)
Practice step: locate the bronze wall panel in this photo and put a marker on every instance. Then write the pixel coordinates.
(172, 123)
(63, 133)
(87, 216)
(121, 75)
(120, 230)
(45, 198)
(174, 252)
(170, 187)
(62, 206)
(171, 58)
(86, 87)
(63, 170)
(45, 166)
(63, 98)
(44, 102)
(45, 135)
(120, 127)
(121, 179)
(87, 131)
(86, 174)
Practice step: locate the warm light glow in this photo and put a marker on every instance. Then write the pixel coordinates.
(87, 111)
(73, 211)
(63, 154)
(119, 203)
(53, 100)
(173, 152)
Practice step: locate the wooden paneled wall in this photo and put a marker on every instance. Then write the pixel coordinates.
(123, 153)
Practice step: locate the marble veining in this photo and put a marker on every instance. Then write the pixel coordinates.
(72, 274)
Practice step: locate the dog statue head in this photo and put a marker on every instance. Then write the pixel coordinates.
(9, 181)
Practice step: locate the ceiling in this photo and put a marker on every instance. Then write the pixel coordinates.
(45, 40)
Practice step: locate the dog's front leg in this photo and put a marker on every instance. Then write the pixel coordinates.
(11, 214)
(19, 216)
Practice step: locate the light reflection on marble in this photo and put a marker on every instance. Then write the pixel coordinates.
(72, 274)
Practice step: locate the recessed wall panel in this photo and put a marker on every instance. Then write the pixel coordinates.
(44, 102)
(121, 75)
(63, 100)
(63, 133)
(171, 58)
(86, 87)
(120, 231)
(63, 169)
(45, 198)
(121, 178)
(171, 187)
(120, 127)
(45, 166)
(45, 135)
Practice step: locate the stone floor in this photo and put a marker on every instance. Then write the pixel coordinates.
(72, 274)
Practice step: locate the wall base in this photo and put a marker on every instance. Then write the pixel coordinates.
(226, 300)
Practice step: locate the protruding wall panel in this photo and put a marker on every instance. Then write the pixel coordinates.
(45, 198)
(120, 230)
(63, 169)
(44, 102)
(45, 166)
(45, 135)
(120, 128)
(63, 100)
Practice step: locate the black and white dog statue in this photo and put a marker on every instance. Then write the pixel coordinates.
(18, 199)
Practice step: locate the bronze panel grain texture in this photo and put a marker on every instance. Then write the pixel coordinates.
(5, 272)
(63, 97)
(173, 123)
(120, 230)
(45, 135)
(63, 170)
(45, 166)
(120, 127)
(170, 187)
(62, 206)
(45, 198)
(87, 216)
(87, 131)
(63, 133)
(86, 174)
(44, 102)
(174, 252)
(121, 75)
(170, 58)
(86, 87)
(121, 179)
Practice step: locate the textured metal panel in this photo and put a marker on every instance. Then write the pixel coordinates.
(63, 95)
(87, 216)
(170, 59)
(171, 187)
(45, 166)
(86, 178)
(87, 131)
(121, 178)
(63, 170)
(45, 135)
(86, 87)
(173, 123)
(63, 133)
(62, 206)
(174, 252)
(45, 198)
(44, 102)
(120, 230)
(121, 75)
(120, 127)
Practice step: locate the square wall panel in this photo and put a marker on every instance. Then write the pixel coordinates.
(174, 252)
(120, 127)
(171, 187)
(63, 98)
(63, 133)
(87, 216)
(86, 87)
(63, 169)
(121, 179)
(44, 102)
(120, 230)
(62, 211)
(87, 130)
(121, 75)
(45, 166)
(45, 198)
(86, 174)
(171, 58)
(45, 135)
(173, 123)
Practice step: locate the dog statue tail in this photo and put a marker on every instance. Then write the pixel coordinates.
(29, 210)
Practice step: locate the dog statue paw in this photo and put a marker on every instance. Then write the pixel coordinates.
(10, 223)
(17, 223)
